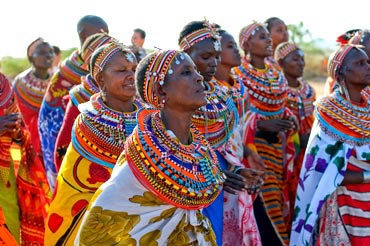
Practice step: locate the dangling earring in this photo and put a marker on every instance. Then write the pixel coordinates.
(163, 103)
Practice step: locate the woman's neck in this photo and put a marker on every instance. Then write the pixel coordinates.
(292, 81)
(257, 61)
(118, 104)
(223, 73)
(179, 123)
(354, 92)
(40, 73)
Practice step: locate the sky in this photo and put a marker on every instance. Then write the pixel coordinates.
(25, 20)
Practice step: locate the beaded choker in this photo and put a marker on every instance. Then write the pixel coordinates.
(219, 117)
(81, 93)
(73, 68)
(6, 93)
(99, 133)
(30, 89)
(186, 176)
(343, 121)
(267, 88)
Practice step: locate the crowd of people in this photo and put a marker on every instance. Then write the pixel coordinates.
(195, 146)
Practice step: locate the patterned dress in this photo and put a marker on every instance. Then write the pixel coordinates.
(53, 108)
(326, 212)
(98, 138)
(79, 94)
(156, 191)
(267, 91)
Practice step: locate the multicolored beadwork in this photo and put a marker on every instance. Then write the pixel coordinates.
(186, 176)
(248, 31)
(267, 88)
(336, 60)
(156, 72)
(99, 132)
(284, 49)
(81, 93)
(343, 120)
(92, 43)
(358, 38)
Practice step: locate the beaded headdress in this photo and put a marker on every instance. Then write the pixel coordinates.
(248, 31)
(209, 31)
(92, 43)
(284, 49)
(358, 38)
(31, 48)
(109, 50)
(336, 60)
(156, 72)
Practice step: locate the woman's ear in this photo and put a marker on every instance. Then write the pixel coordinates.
(160, 91)
(99, 81)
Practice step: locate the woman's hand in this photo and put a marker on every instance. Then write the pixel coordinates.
(9, 123)
(255, 161)
(247, 180)
(275, 125)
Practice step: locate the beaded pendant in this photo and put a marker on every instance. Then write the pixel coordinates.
(219, 117)
(186, 176)
(267, 88)
(100, 132)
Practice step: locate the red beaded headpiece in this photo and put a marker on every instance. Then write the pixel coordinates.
(358, 38)
(247, 32)
(99, 40)
(284, 49)
(336, 60)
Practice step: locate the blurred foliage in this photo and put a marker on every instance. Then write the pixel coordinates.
(11, 66)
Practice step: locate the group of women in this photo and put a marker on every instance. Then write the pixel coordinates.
(196, 146)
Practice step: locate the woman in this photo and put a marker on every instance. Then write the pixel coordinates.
(239, 225)
(336, 161)
(98, 138)
(78, 94)
(167, 173)
(54, 104)
(30, 87)
(362, 37)
(278, 31)
(219, 118)
(23, 190)
(301, 97)
(269, 127)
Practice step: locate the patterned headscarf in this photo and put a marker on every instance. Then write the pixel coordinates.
(209, 31)
(336, 60)
(106, 52)
(284, 49)
(92, 43)
(247, 32)
(156, 72)
(359, 37)
(31, 48)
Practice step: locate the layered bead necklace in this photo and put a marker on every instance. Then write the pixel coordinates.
(216, 120)
(267, 88)
(100, 132)
(73, 68)
(81, 93)
(186, 176)
(344, 121)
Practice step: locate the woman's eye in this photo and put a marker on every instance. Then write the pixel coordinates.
(186, 72)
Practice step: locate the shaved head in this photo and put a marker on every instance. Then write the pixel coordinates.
(89, 25)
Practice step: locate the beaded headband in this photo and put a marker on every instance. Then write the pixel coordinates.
(358, 38)
(31, 48)
(194, 37)
(336, 61)
(156, 72)
(98, 41)
(108, 52)
(284, 49)
(248, 31)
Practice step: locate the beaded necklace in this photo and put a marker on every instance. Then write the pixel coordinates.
(30, 90)
(73, 68)
(186, 176)
(100, 132)
(344, 121)
(81, 93)
(300, 102)
(267, 88)
(219, 117)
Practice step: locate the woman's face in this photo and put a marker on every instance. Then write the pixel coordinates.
(357, 69)
(260, 44)
(43, 56)
(293, 64)
(117, 78)
(230, 55)
(183, 90)
(279, 32)
(206, 56)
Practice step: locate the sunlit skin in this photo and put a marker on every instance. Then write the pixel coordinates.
(279, 33)
(230, 57)
(137, 40)
(117, 83)
(259, 47)
(183, 93)
(42, 60)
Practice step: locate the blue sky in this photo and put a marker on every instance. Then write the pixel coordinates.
(25, 20)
